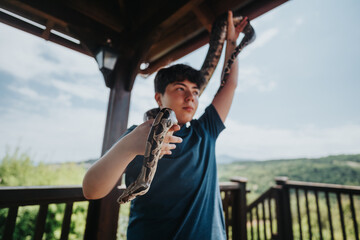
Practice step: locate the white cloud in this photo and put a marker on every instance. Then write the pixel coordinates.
(252, 77)
(27, 92)
(299, 21)
(254, 142)
(85, 90)
(64, 134)
(262, 38)
(38, 60)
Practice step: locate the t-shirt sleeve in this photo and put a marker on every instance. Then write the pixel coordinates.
(211, 121)
(129, 130)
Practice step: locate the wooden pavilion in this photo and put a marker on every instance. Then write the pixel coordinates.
(152, 33)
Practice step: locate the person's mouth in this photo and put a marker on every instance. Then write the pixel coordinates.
(188, 109)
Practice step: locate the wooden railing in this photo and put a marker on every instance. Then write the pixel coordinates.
(15, 197)
(305, 210)
(233, 195)
(289, 210)
(11, 198)
(265, 223)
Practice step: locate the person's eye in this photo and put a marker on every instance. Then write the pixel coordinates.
(180, 89)
(196, 93)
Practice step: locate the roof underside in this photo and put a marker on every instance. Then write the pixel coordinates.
(161, 30)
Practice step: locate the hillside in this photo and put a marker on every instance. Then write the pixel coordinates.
(340, 169)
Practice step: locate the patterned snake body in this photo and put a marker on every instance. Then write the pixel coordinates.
(165, 118)
(216, 44)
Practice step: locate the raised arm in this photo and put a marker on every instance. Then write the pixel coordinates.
(224, 97)
(101, 178)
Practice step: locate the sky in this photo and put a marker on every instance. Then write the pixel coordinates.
(298, 93)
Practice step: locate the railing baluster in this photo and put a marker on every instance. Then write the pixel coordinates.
(270, 217)
(308, 213)
(65, 228)
(329, 215)
(251, 225)
(40, 221)
(341, 215)
(354, 216)
(298, 212)
(10, 222)
(277, 212)
(318, 214)
(264, 218)
(257, 222)
(225, 203)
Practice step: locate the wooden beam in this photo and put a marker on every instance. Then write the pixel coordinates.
(97, 11)
(204, 15)
(177, 37)
(77, 24)
(180, 13)
(162, 23)
(29, 28)
(125, 14)
(26, 11)
(259, 7)
(105, 212)
(179, 52)
(252, 10)
(46, 34)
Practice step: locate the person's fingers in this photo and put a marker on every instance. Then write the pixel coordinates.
(165, 152)
(174, 128)
(242, 24)
(230, 18)
(168, 147)
(172, 139)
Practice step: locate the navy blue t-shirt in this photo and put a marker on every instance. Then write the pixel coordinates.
(183, 201)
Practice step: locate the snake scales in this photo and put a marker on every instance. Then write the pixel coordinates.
(165, 118)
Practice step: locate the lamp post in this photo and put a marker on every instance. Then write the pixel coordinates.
(106, 58)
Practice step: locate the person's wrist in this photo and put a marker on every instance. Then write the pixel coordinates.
(131, 145)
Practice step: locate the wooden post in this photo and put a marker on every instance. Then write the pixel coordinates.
(239, 210)
(284, 219)
(103, 214)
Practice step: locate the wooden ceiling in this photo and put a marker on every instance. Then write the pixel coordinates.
(154, 32)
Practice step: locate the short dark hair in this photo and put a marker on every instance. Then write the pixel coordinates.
(177, 73)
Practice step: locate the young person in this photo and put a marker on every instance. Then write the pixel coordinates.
(183, 201)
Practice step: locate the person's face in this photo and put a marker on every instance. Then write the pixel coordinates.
(182, 97)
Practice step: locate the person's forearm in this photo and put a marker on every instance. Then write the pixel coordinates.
(101, 178)
(233, 76)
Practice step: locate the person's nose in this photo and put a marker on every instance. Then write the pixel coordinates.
(189, 96)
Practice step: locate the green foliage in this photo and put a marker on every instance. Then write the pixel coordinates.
(17, 169)
(123, 220)
(341, 169)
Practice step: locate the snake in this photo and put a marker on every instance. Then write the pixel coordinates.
(165, 118)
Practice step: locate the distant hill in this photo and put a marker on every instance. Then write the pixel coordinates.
(340, 169)
(225, 159)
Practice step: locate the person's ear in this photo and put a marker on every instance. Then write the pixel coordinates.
(158, 98)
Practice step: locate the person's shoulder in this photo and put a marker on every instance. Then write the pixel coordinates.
(210, 121)
(210, 113)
